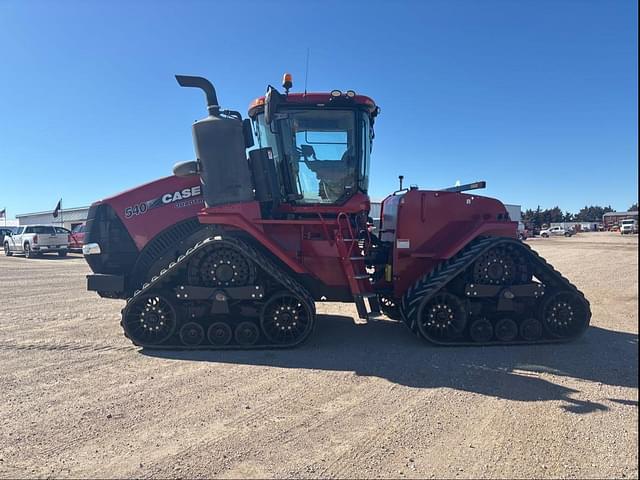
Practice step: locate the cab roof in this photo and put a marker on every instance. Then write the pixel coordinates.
(317, 99)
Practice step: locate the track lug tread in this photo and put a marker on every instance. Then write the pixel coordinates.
(266, 265)
(431, 283)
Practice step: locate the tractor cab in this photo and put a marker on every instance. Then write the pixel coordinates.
(319, 143)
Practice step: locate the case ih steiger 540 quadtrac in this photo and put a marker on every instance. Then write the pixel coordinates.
(231, 252)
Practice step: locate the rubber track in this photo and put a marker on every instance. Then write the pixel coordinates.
(433, 282)
(163, 279)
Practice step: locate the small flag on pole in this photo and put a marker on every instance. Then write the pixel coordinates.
(3, 213)
(57, 209)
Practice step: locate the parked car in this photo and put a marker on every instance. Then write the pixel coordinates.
(76, 239)
(555, 231)
(628, 226)
(34, 240)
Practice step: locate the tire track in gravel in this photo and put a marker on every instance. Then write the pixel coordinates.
(154, 429)
(364, 446)
(64, 346)
(312, 419)
(84, 438)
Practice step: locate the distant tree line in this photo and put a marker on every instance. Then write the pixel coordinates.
(538, 217)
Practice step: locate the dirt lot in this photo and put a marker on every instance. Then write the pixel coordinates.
(77, 400)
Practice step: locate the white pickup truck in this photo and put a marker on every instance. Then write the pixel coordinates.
(555, 231)
(34, 240)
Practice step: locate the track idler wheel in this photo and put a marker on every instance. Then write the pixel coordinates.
(192, 334)
(286, 319)
(564, 315)
(531, 329)
(247, 333)
(506, 330)
(219, 333)
(481, 331)
(443, 317)
(149, 320)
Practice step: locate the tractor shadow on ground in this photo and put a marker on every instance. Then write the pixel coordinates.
(388, 350)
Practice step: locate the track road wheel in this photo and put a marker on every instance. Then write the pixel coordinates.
(192, 334)
(564, 315)
(481, 331)
(390, 307)
(286, 319)
(247, 333)
(149, 320)
(530, 329)
(442, 317)
(506, 330)
(219, 333)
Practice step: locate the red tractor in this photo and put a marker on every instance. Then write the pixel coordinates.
(233, 252)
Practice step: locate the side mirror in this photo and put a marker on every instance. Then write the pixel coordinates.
(186, 169)
(271, 101)
(247, 133)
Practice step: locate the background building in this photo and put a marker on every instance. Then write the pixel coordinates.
(577, 226)
(67, 217)
(614, 218)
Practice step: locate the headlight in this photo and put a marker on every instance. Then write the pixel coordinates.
(91, 249)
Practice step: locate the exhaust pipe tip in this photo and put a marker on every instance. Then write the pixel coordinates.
(205, 85)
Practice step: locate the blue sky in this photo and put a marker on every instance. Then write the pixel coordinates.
(539, 98)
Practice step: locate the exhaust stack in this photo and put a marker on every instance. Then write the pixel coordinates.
(205, 85)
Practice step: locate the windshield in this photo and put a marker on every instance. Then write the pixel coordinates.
(324, 152)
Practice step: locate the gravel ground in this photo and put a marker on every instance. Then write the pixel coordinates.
(78, 400)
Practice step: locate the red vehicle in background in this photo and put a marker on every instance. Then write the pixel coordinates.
(76, 238)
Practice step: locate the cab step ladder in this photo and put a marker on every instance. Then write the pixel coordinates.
(353, 264)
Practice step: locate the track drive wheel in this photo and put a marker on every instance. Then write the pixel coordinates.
(220, 266)
(442, 317)
(149, 320)
(286, 319)
(501, 265)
